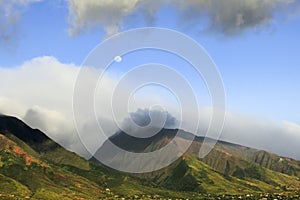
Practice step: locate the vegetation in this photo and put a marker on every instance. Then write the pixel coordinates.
(47, 171)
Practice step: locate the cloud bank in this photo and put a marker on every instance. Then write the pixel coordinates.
(40, 92)
(278, 137)
(226, 17)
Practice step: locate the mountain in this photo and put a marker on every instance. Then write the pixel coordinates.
(26, 170)
(39, 142)
(33, 137)
(32, 166)
(227, 169)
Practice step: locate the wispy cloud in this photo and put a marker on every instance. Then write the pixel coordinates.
(11, 11)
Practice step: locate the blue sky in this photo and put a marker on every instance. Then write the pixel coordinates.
(255, 45)
(260, 69)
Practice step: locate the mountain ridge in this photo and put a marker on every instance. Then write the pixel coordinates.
(33, 137)
(230, 160)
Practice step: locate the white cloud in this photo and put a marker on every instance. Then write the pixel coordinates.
(278, 137)
(40, 92)
(60, 126)
(226, 17)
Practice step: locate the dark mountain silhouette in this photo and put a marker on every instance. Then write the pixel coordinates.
(33, 137)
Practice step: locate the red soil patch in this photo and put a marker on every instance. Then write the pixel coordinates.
(28, 160)
(18, 151)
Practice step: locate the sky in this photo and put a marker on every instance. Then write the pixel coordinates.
(254, 44)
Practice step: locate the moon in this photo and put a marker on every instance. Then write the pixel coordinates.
(118, 58)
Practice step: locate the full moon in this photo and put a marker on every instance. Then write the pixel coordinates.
(118, 58)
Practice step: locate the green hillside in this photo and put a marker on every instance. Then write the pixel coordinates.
(227, 169)
(32, 166)
(41, 169)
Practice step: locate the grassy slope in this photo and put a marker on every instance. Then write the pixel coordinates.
(9, 187)
(37, 178)
(225, 172)
(46, 179)
(265, 159)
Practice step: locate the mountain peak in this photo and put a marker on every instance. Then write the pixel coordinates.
(13, 126)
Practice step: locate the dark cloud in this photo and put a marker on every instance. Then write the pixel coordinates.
(145, 122)
(226, 17)
(142, 117)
